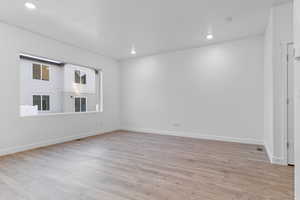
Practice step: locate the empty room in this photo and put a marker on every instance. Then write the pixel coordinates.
(150, 100)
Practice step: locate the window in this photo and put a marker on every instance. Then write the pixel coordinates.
(80, 77)
(77, 76)
(45, 103)
(45, 73)
(49, 86)
(83, 79)
(80, 104)
(40, 72)
(42, 102)
(36, 71)
(83, 104)
(37, 101)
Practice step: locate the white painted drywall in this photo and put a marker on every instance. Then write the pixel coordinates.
(268, 88)
(297, 129)
(297, 27)
(19, 133)
(283, 33)
(213, 92)
(279, 32)
(297, 97)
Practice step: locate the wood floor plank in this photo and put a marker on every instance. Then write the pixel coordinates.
(137, 166)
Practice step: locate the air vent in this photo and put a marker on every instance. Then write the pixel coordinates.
(259, 149)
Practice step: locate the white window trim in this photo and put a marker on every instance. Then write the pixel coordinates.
(80, 83)
(100, 101)
(48, 114)
(86, 104)
(41, 66)
(41, 95)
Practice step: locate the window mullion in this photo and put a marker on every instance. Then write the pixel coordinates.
(41, 103)
(80, 84)
(41, 69)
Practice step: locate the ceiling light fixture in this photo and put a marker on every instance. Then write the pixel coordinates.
(210, 37)
(133, 52)
(30, 6)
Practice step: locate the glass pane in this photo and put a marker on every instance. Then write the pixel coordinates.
(77, 76)
(77, 104)
(37, 101)
(36, 71)
(83, 104)
(46, 103)
(52, 88)
(45, 73)
(83, 79)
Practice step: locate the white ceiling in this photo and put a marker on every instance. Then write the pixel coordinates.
(111, 27)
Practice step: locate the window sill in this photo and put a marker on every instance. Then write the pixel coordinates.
(61, 114)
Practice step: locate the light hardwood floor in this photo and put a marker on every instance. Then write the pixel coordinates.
(136, 166)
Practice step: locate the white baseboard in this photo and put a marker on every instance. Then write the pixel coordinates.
(278, 161)
(273, 159)
(13, 150)
(269, 153)
(196, 135)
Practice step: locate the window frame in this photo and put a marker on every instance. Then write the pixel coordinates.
(41, 102)
(80, 104)
(80, 77)
(50, 62)
(38, 101)
(48, 102)
(77, 72)
(41, 67)
(36, 71)
(42, 72)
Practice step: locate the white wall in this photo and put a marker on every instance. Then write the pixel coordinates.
(279, 32)
(211, 92)
(283, 29)
(296, 24)
(297, 128)
(19, 133)
(268, 87)
(297, 96)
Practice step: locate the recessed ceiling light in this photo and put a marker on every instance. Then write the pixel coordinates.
(133, 52)
(209, 37)
(30, 6)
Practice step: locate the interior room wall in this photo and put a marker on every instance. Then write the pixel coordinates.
(279, 32)
(268, 87)
(20, 133)
(297, 96)
(213, 92)
(297, 127)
